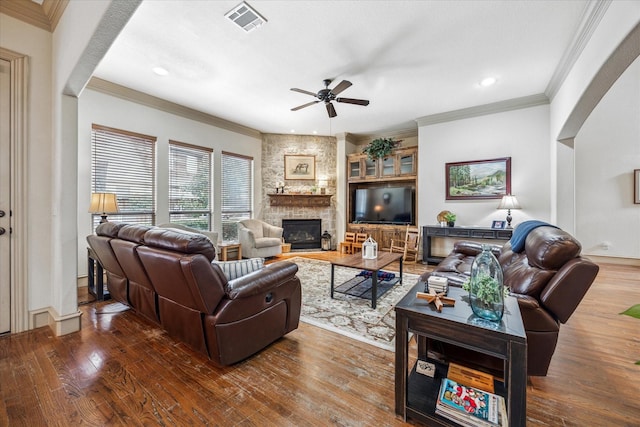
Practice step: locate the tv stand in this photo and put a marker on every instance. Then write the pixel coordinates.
(383, 234)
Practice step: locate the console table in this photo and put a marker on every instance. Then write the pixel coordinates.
(466, 233)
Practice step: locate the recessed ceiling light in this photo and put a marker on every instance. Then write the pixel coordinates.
(293, 130)
(160, 71)
(489, 81)
(315, 132)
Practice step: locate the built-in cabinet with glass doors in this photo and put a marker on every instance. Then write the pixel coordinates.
(398, 168)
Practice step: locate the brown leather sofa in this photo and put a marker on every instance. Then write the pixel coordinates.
(548, 277)
(167, 276)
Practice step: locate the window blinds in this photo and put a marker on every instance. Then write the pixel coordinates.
(237, 190)
(124, 163)
(190, 185)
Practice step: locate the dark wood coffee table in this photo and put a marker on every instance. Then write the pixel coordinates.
(416, 394)
(372, 265)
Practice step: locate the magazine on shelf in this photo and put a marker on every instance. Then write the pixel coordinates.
(470, 406)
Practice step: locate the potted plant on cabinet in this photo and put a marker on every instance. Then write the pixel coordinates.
(380, 147)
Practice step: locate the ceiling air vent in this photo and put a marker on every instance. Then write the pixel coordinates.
(245, 17)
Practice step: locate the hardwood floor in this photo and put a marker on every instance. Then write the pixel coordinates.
(121, 370)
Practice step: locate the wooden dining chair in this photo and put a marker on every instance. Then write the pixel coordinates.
(346, 246)
(357, 245)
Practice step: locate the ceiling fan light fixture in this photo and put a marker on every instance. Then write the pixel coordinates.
(245, 17)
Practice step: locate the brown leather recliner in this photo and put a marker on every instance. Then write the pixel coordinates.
(226, 320)
(141, 293)
(548, 277)
(167, 276)
(100, 242)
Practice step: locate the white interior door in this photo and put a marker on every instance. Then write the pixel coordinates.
(5, 186)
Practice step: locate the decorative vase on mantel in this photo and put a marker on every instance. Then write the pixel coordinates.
(486, 287)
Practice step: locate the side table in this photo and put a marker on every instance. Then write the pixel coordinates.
(95, 276)
(224, 248)
(416, 394)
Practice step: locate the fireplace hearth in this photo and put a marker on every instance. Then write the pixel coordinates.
(303, 233)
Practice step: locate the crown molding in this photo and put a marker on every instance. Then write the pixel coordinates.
(591, 17)
(141, 98)
(45, 16)
(395, 134)
(483, 110)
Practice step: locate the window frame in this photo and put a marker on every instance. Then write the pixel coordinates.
(174, 214)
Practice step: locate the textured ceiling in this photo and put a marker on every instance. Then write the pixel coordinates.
(409, 58)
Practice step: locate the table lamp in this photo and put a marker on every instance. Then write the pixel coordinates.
(509, 202)
(102, 204)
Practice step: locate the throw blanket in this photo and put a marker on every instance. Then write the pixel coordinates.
(521, 232)
(383, 275)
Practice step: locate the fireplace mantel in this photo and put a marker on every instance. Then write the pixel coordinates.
(300, 200)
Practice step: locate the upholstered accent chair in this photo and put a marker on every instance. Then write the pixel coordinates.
(259, 239)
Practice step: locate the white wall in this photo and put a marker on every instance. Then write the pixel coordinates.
(520, 134)
(607, 150)
(99, 108)
(36, 44)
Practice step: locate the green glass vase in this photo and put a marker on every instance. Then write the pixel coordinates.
(486, 290)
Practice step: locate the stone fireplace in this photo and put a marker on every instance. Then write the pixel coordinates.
(303, 233)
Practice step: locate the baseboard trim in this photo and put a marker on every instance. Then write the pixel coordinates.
(60, 325)
(614, 260)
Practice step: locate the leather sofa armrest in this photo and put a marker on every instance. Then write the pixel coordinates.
(467, 247)
(566, 289)
(260, 281)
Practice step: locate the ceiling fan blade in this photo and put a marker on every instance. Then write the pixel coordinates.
(331, 110)
(342, 86)
(353, 101)
(299, 107)
(303, 91)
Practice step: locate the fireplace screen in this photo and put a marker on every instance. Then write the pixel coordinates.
(302, 233)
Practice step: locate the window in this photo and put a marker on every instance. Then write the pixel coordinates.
(237, 190)
(190, 185)
(124, 163)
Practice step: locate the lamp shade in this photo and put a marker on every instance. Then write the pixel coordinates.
(509, 202)
(103, 203)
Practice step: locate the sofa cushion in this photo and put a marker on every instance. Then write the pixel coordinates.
(109, 229)
(551, 248)
(179, 241)
(235, 269)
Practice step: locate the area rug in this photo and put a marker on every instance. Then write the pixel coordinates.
(346, 314)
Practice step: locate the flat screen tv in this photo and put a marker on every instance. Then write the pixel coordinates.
(384, 205)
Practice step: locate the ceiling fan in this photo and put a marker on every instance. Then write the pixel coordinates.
(327, 95)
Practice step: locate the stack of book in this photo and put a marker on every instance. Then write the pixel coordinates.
(470, 406)
(438, 284)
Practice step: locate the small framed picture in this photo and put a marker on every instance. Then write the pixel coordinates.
(498, 225)
(636, 186)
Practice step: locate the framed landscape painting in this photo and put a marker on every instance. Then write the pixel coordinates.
(636, 186)
(299, 167)
(478, 179)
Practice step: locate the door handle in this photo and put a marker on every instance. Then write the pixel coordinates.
(2, 214)
(2, 231)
